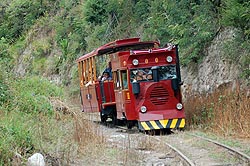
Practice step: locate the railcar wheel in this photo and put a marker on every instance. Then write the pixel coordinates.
(167, 131)
(114, 118)
(130, 124)
(103, 117)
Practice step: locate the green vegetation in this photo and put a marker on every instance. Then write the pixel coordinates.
(44, 38)
(25, 111)
(73, 27)
(16, 136)
(35, 98)
(236, 14)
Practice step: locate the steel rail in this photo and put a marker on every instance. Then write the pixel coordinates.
(185, 158)
(246, 157)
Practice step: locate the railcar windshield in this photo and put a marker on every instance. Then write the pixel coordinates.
(145, 74)
(167, 72)
(141, 74)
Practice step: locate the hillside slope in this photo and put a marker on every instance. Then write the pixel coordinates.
(46, 37)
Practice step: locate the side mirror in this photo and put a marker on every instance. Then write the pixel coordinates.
(136, 88)
(175, 84)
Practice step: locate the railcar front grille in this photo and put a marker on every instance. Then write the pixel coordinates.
(159, 96)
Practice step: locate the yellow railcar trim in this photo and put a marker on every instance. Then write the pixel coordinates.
(145, 126)
(164, 123)
(173, 124)
(160, 124)
(182, 124)
(155, 126)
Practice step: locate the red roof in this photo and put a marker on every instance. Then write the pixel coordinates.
(118, 45)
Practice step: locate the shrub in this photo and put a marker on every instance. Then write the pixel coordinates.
(15, 136)
(5, 56)
(32, 95)
(25, 108)
(190, 24)
(239, 54)
(236, 14)
(95, 11)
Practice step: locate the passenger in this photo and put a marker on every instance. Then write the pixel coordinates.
(148, 74)
(144, 75)
(109, 69)
(139, 75)
(105, 76)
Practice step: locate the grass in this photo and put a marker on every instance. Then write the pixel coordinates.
(29, 123)
(14, 136)
(223, 156)
(221, 113)
(224, 112)
(35, 118)
(95, 149)
(238, 144)
(146, 144)
(26, 134)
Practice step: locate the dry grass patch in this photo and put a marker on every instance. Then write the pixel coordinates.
(224, 112)
(86, 132)
(95, 149)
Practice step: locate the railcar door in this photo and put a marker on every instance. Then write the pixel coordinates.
(119, 95)
(89, 100)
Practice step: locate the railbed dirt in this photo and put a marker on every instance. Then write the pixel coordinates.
(123, 147)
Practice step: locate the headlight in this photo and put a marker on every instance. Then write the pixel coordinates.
(143, 109)
(169, 59)
(135, 62)
(179, 106)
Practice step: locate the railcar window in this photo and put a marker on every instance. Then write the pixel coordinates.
(116, 76)
(124, 79)
(142, 74)
(167, 72)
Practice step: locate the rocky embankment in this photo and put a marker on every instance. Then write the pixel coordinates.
(214, 71)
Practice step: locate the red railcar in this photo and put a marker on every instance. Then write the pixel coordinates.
(145, 85)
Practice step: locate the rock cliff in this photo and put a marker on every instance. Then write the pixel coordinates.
(214, 71)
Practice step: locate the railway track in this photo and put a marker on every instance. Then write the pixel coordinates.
(189, 158)
(241, 155)
(180, 155)
(187, 148)
(184, 158)
(243, 158)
